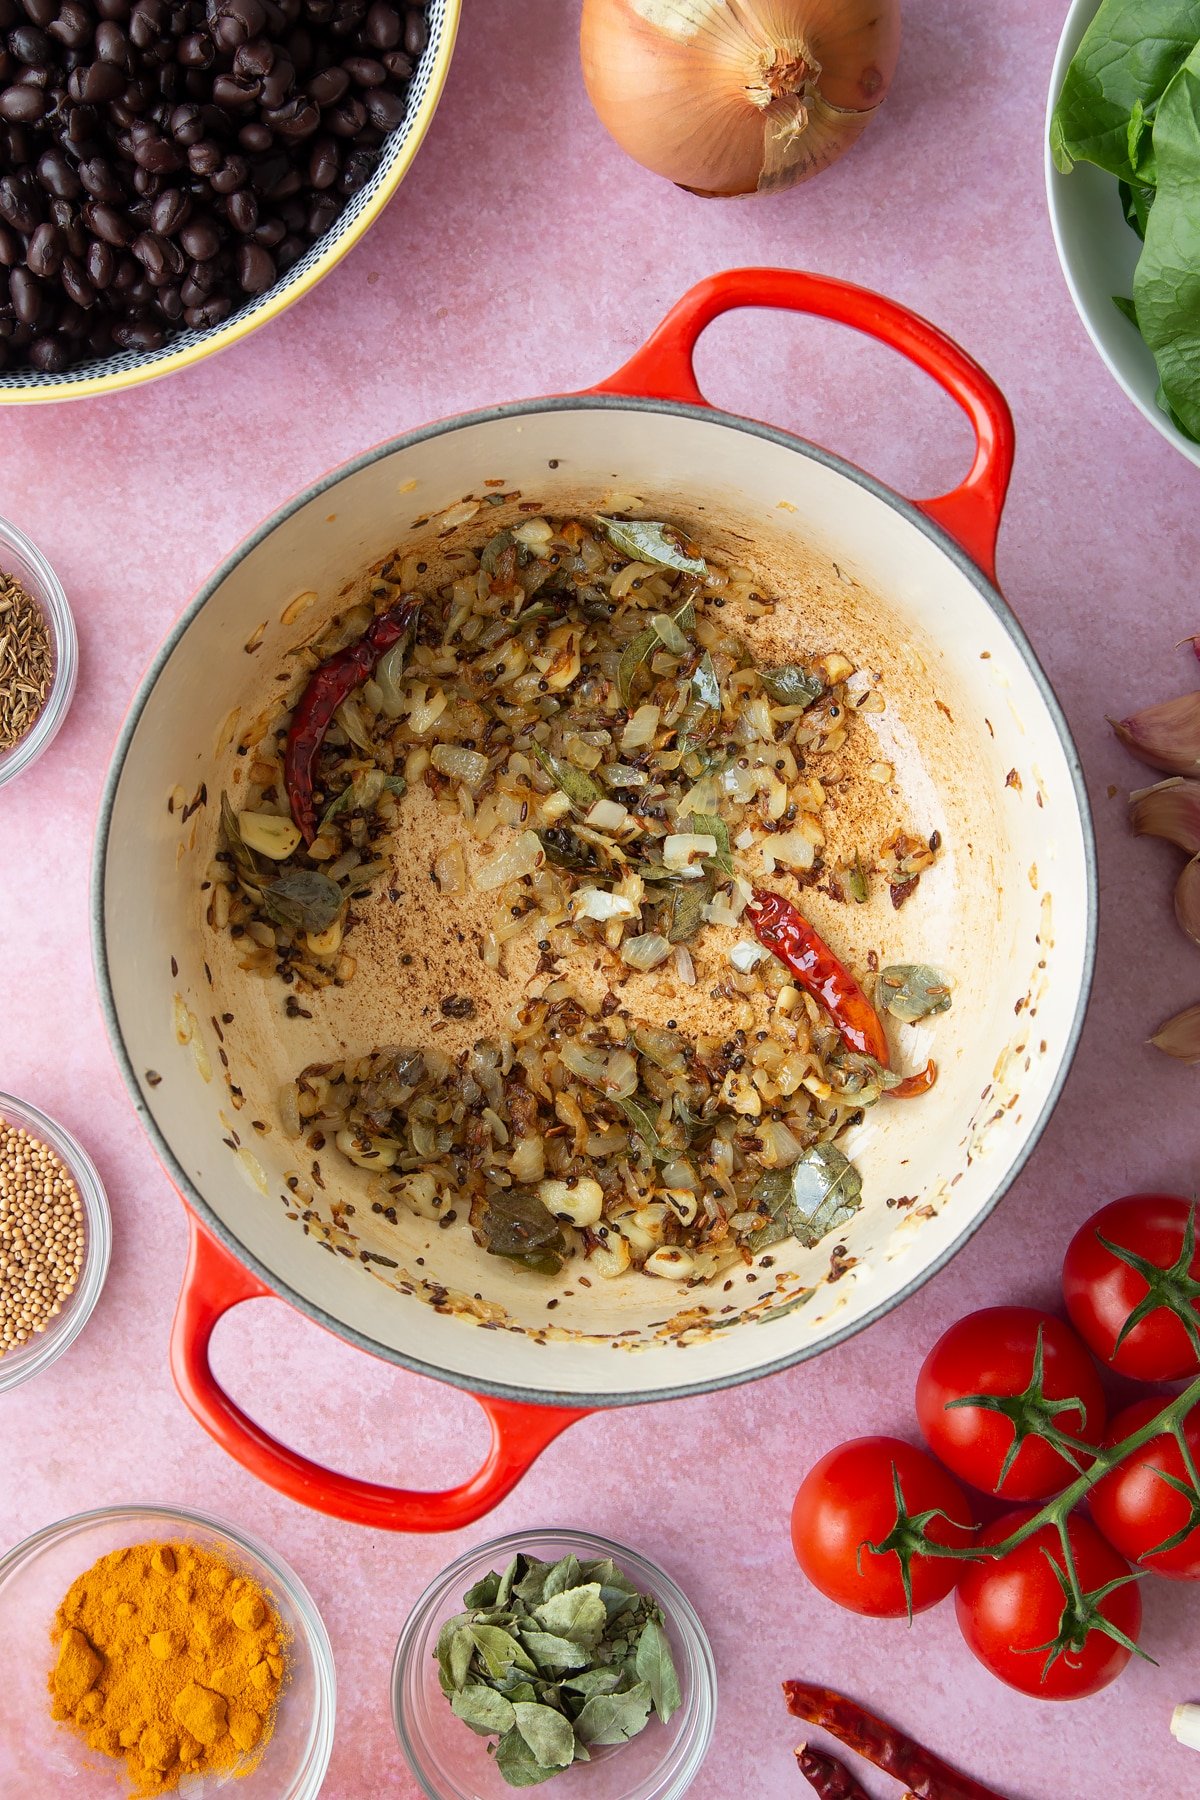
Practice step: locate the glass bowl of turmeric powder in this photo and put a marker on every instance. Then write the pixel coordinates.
(191, 1661)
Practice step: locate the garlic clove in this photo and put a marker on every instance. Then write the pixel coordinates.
(1170, 810)
(1185, 1725)
(1180, 1036)
(1166, 736)
(1187, 900)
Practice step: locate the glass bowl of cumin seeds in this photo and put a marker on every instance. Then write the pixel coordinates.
(55, 1330)
(39, 653)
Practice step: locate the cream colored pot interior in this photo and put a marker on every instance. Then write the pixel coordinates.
(977, 755)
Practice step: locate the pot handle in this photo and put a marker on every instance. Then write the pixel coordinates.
(663, 370)
(213, 1282)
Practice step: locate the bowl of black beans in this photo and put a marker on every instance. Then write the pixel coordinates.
(173, 173)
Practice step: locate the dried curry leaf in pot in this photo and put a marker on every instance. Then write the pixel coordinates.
(912, 991)
(305, 899)
(818, 1195)
(791, 685)
(515, 1224)
(650, 541)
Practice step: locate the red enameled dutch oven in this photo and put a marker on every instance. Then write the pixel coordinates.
(979, 749)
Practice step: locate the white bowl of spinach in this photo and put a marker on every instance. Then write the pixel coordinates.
(1123, 184)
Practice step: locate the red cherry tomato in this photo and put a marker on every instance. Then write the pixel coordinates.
(994, 1352)
(1136, 1509)
(1102, 1290)
(848, 1500)
(1010, 1611)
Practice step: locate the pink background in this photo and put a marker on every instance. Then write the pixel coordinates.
(524, 255)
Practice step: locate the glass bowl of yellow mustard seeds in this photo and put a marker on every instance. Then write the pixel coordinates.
(66, 1295)
(42, 1756)
(28, 721)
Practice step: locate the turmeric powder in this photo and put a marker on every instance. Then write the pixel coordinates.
(168, 1658)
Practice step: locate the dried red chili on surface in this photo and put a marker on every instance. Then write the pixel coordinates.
(828, 1778)
(781, 930)
(328, 687)
(926, 1775)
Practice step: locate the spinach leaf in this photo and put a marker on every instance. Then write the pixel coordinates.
(1129, 55)
(1166, 283)
(1136, 201)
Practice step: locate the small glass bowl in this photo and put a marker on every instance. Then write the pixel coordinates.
(39, 1756)
(451, 1763)
(41, 1350)
(24, 560)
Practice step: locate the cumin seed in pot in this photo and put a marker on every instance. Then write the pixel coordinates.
(26, 661)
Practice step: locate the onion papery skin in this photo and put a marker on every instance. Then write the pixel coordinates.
(729, 97)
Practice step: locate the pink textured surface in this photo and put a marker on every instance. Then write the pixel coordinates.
(523, 255)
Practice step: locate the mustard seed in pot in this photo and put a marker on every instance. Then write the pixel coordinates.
(41, 1236)
(26, 661)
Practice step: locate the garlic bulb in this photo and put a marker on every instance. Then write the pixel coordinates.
(738, 96)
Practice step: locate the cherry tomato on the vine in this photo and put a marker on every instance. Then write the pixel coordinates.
(1152, 1267)
(1137, 1509)
(1017, 1615)
(996, 1353)
(848, 1500)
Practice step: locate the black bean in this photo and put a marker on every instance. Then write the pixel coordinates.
(398, 65)
(156, 154)
(346, 119)
(297, 119)
(233, 92)
(49, 354)
(279, 83)
(112, 46)
(100, 179)
(170, 210)
(18, 206)
(365, 71)
(74, 25)
(169, 302)
(231, 175)
(29, 44)
(107, 223)
(197, 50)
(58, 175)
(23, 103)
(25, 292)
(254, 60)
(76, 284)
(204, 157)
(200, 238)
(327, 88)
(186, 124)
(416, 31)
(242, 211)
(97, 83)
(101, 264)
(385, 111)
(269, 232)
(255, 137)
(209, 312)
(255, 269)
(44, 251)
(323, 164)
(10, 247)
(384, 25)
(138, 334)
(41, 12)
(322, 214)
